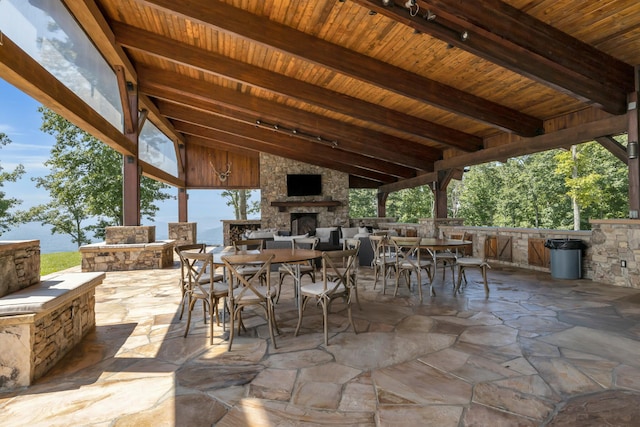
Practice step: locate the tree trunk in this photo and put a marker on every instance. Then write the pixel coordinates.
(574, 202)
(242, 202)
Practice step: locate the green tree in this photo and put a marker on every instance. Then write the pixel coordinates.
(6, 204)
(363, 203)
(411, 204)
(85, 184)
(240, 201)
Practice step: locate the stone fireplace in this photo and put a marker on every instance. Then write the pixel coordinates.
(302, 223)
(331, 208)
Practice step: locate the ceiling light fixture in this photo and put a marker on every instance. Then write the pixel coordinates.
(409, 4)
(464, 36)
(429, 16)
(297, 133)
(387, 3)
(632, 149)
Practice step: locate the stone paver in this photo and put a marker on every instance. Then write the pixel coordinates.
(535, 353)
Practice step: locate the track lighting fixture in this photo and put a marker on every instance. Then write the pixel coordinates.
(297, 133)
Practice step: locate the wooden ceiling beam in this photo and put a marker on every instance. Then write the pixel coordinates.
(211, 62)
(563, 138)
(350, 138)
(258, 29)
(512, 39)
(337, 155)
(289, 153)
(615, 148)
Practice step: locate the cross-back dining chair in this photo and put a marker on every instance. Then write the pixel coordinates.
(335, 283)
(183, 281)
(249, 245)
(448, 258)
(384, 261)
(204, 286)
(305, 267)
(248, 290)
(351, 244)
(408, 260)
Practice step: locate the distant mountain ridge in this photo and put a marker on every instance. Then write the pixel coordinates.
(50, 243)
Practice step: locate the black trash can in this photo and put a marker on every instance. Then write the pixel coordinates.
(566, 258)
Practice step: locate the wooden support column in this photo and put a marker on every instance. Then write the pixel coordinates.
(439, 189)
(382, 204)
(183, 199)
(130, 166)
(632, 149)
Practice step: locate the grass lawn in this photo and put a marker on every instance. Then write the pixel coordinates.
(50, 263)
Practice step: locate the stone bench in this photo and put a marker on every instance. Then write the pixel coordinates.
(127, 257)
(43, 322)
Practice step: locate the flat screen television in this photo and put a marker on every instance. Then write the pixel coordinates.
(304, 185)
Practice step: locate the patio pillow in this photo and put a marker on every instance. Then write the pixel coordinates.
(288, 238)
(349, 232)
(259, 234)
(324, 233)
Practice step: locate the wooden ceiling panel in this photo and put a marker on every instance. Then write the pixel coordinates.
(335, 67)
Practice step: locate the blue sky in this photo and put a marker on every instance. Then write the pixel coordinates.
(20, 120)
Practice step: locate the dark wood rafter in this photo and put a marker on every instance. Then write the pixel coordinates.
(123, 89)
(254, 28)
(337, 155)
(181, 53)
(614, 148)
(286, 152)
(562, 138)
(512, 39)
(352, 138)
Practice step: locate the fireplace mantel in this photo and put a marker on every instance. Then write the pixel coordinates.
(329, 204)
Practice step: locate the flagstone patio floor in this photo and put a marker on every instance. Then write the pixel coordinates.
(537, 352)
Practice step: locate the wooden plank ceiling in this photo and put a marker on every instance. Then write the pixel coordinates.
(388, 94)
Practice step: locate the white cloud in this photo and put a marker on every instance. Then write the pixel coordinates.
(6, 128)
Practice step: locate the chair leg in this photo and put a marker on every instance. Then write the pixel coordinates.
(325, 321)
(484, 278)
(301, 307)
(192, 303)
(211, 315)
(271, 321)
(456, 288)
(232, 316)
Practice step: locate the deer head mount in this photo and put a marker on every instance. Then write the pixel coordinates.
(222, 176)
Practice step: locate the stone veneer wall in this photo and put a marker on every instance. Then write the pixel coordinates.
(614, 241)
(273, 187)
(33, 343)
(19, 265)
(121, 235)
(183, 233)
(520, 244)
(101, 257)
